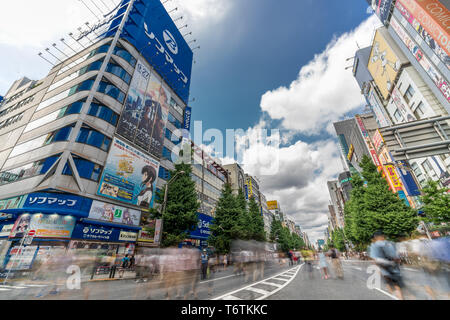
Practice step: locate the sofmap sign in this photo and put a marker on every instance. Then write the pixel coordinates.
(151, 30)
(203, 227)
(97, 233)
(57, 202)
(187, 119)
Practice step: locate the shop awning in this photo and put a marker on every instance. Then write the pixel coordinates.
(109, 224)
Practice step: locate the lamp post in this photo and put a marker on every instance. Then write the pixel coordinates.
(166, 190)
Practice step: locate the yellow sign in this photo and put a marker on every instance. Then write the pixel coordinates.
(249, 188)
(384, 64)
(393, 177)
(350, 153)
(272, 205)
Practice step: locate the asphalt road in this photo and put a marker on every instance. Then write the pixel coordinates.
(279, 282)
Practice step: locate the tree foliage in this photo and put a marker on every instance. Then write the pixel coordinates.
(436, 202)
(180, 215)
(372, 206)
(285, 239)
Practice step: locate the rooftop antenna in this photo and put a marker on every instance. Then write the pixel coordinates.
(105, 5)
(90, 9)
(62, 40)
(87, 24)
(48, 50)
(40, 55)
(187, 34)
(101, 11)
(185, 26)
(71, 35)
(180, 18)
(54, 46)
(195, 40)
(196, 48)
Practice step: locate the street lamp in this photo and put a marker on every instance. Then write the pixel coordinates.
(165, 193)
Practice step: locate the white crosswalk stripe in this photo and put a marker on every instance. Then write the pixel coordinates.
(265, 293)
(21, 286)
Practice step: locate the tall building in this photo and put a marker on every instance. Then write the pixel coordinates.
(236, 177)
(83, 148)
(405, 78)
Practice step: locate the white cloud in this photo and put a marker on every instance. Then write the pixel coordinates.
(324, 90)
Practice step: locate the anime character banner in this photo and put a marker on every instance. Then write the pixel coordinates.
(134, 106)
(160, 119)
(129, 175)
(115, 214)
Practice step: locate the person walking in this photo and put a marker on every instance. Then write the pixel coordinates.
(323, 264)
(384, 254)
(204, 259)
(125, 263)
(333, 253)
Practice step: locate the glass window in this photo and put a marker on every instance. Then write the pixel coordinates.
(418, 112)
(93, 138)
(111, 90)
(124, 54)
(104, 113)
(398, 116)
(409, 93)
(28, 146)
(118, 71)
(86, 169)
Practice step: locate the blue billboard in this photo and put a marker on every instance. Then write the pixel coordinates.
(57, 203)
(187, 119)
(203, 227)
(84, 231)
(152, 32)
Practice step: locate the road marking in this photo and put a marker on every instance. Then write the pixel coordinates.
(261, 291)
(268, 293)
(233, 275)
(358, 268)
(11, 287)
(388, 294)
(272, 284)
(409, 269)
(230, 297)
(281, 279)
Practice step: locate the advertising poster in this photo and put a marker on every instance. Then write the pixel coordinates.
(393, 177)
(418, 54)
(384, 64)
(45, 225)
(377, 140)
(112, 213)
(12, 203)
(203, 227)
(272, 205)
(160, 120)
(149, 114)
(5, 230)
(382, 7)
(434, 46)
(134, 106)
(152, 29)
(21, 258)
(433, 16)
(378, 110)
(147, 233)
(129, 176)
(402, 106)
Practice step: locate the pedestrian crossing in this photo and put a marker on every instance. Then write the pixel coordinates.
(264, 288)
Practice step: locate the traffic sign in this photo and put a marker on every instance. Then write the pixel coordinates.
(31, 233)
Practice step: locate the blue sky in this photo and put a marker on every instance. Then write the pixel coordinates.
(262, 45)
(263, 64)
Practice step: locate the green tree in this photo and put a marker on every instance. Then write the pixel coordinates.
(436, 203)
(275, 229)
(244, 221)
(180, 215)
(257, 221)
(373, 207)
(225, 226)
(339, 239)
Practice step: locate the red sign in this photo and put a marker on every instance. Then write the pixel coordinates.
(31, 233)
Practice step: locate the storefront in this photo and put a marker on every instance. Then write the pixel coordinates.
(63, 223)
